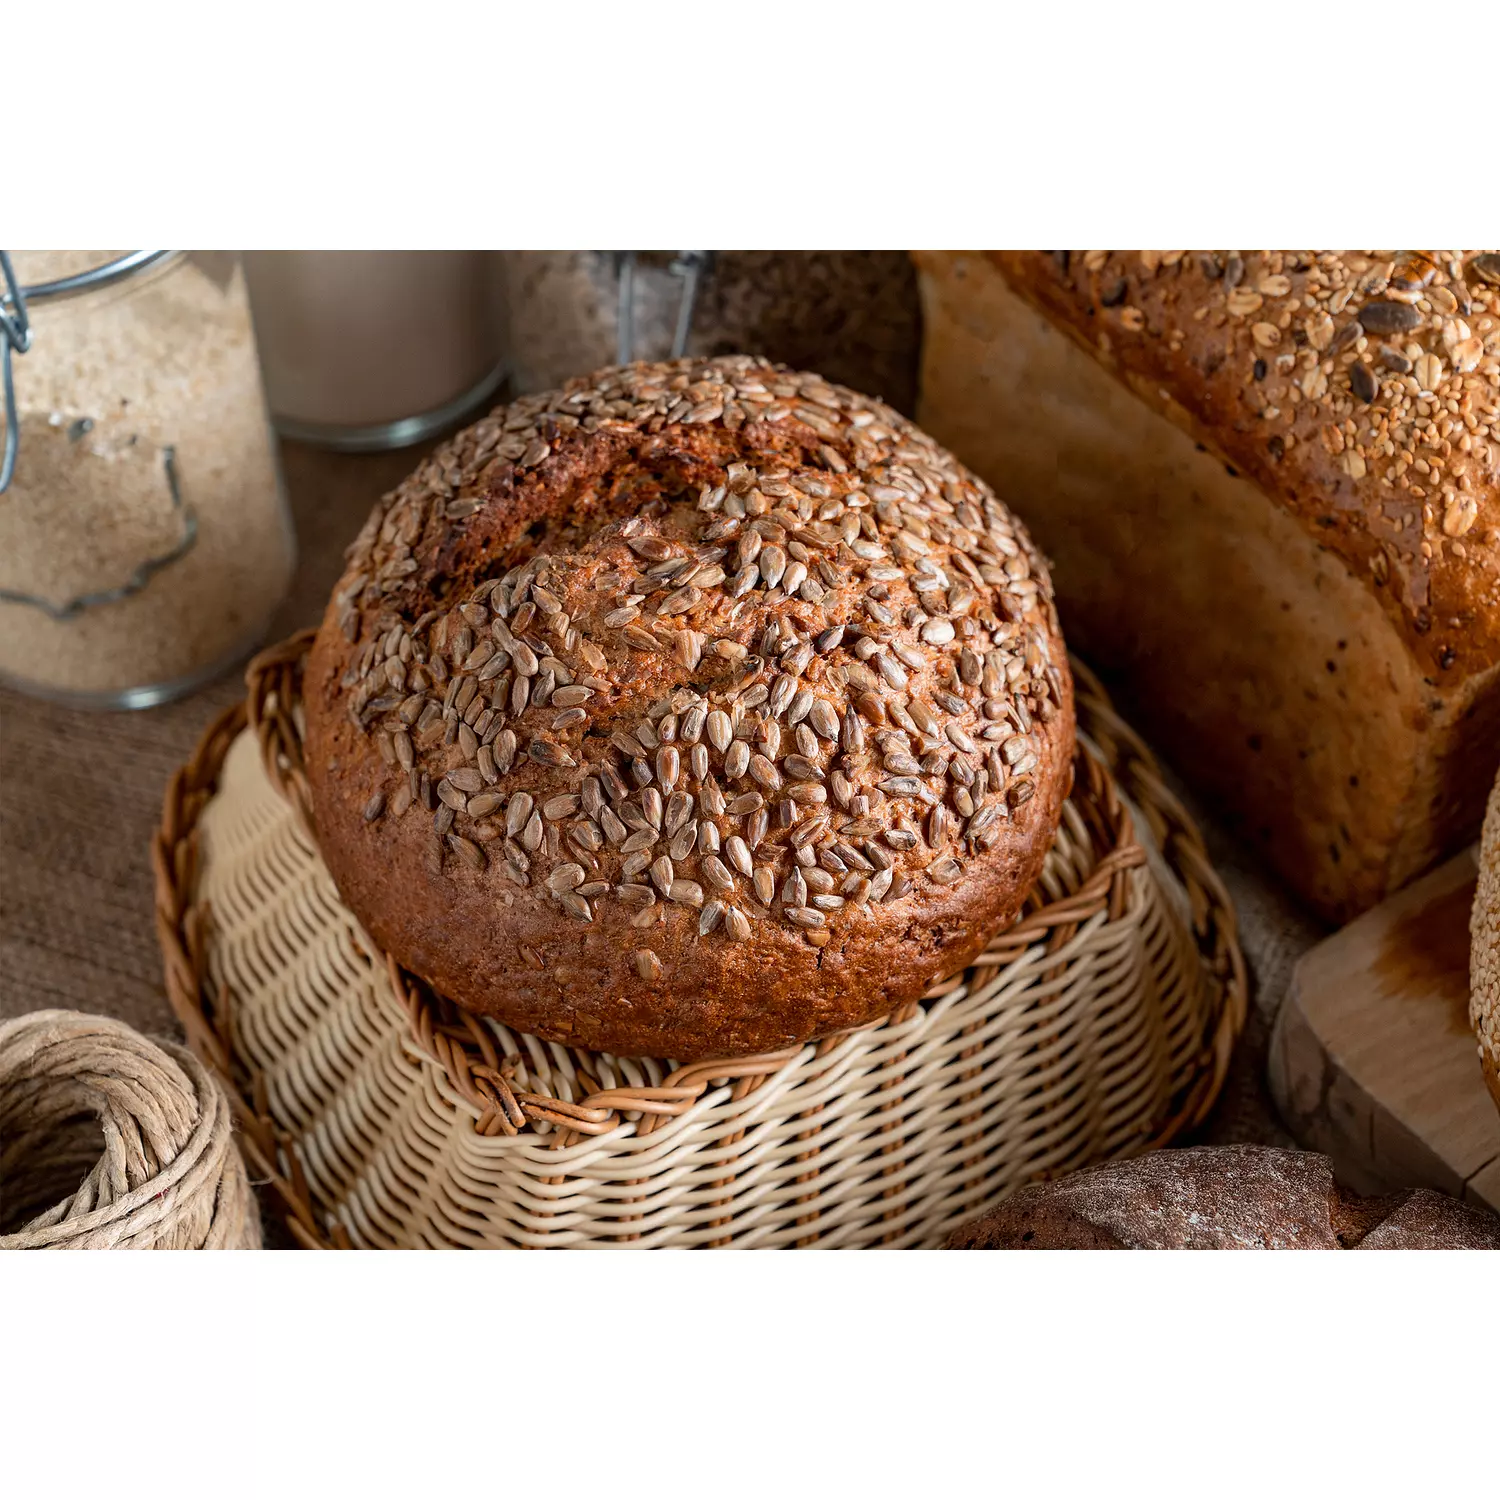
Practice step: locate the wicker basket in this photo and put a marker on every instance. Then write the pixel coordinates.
(380, 1115)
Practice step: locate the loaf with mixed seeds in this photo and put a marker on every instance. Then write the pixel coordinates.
(695, 709)
(1267, 481)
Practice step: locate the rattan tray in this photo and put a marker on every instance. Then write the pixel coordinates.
(379, 1115)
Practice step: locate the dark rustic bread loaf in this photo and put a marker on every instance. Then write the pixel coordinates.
(695, 709)
(1282, 467)
(1223, 1198)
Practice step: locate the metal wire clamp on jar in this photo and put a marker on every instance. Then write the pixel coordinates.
(852, 315)
(145, 541)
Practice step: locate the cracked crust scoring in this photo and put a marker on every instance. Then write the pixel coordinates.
(694, 709)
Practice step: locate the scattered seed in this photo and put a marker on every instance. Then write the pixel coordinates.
(468, 851)
(763, 771)
(720, 730)
(668, 765)
(937, 825)
(1382, 318)
(545, 753)
(566, 877)
(518, 813)
(823, 718)
(575, 905)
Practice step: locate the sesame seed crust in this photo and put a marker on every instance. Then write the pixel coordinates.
(1359, 389)
(695, 708)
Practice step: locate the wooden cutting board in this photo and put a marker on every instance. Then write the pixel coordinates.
(1372, 1060)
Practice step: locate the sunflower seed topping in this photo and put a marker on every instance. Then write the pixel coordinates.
(804, 916)
(768, 681)
(517, 812)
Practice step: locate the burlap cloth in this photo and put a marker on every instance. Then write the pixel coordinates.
(80, 794)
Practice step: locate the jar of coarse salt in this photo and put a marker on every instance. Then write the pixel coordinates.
(145, 540)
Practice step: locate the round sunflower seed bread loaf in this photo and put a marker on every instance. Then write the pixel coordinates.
(695, 709)
(1223, 1198)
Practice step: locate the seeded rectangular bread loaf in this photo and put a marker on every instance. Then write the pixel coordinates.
(1267, 483)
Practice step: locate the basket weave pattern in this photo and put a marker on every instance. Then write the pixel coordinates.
(1098, 1026)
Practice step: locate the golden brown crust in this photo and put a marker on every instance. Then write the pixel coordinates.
(1358, 389)
(695, 709)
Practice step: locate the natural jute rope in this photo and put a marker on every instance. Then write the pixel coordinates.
(112, 1142)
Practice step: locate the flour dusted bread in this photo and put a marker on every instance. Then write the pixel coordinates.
(694, 709)
(1267, 481)
(1223, 1198)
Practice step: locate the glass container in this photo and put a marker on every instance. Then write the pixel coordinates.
(145, 539)
(371, 349)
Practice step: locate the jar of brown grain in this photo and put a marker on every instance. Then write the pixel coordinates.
(145, 541)
(852, 315)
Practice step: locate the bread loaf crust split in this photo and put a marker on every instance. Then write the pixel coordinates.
(770, 790)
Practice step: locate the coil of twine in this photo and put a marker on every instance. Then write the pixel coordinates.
(111, 1141)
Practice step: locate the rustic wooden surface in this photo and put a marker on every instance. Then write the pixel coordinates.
(1372, 1057)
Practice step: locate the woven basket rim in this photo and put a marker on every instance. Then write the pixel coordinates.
(458, 1042)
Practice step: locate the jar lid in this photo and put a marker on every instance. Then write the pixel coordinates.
(108, 272)
(15, 326)
(16, 339)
